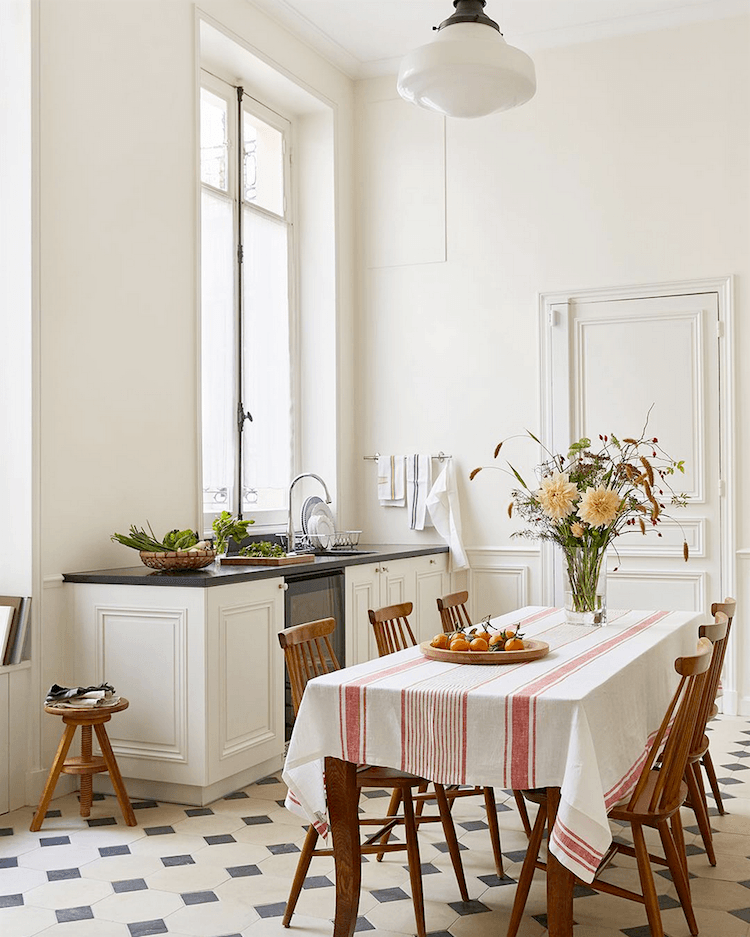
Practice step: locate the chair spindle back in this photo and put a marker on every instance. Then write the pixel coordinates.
(308, 653)
(391, 627)
(453, 614)
(679, 721)
(717, 634)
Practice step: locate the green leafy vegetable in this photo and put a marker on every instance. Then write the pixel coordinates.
(172, 542)
(226, 526)
(263, 548)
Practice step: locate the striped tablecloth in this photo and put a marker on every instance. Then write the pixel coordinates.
(579, 719)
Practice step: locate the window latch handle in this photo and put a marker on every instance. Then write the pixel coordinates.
(242, 415)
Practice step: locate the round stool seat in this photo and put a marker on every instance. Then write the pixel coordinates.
(86, 764)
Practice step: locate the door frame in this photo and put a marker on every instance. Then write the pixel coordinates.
(549, 311)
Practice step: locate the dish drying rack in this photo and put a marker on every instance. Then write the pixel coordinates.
(339, 540)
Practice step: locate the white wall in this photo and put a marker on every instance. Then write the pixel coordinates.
(631, 165)
(117, 256)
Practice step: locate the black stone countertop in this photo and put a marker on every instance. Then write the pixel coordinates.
(217, 575)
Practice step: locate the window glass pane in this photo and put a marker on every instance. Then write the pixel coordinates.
(264, 164)
(218, 359)
(267, 444)
(214, 147)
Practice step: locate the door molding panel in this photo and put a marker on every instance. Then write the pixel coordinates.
(552, 312)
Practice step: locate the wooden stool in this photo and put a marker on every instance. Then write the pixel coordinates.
(86, 764)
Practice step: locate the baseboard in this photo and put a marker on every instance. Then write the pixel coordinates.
(744, 707)
(35, 781)
(190, 794)
(729, 704)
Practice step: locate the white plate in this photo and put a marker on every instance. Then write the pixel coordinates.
(322, 510)
(307, 506)
(321, 531)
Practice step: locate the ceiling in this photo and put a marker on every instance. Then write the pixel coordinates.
(368, 37)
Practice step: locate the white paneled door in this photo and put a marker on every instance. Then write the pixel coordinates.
(613, 361)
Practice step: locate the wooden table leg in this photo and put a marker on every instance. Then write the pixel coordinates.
(342, 795)
(559, 882)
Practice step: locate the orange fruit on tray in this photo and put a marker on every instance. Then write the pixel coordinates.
(484, 635)
(498, 638)
(479, 644)
(440, 640)
(514, 644)
(459, 644)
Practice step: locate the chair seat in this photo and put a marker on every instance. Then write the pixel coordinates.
(375, 776)
(641, 812)
(700, 750)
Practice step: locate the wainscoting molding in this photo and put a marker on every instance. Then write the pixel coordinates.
(502, 579)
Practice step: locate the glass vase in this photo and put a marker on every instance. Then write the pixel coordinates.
(585, 586)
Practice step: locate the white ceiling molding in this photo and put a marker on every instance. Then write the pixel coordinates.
(367, 38)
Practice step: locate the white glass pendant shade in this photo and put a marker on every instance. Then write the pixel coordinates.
(468, 70)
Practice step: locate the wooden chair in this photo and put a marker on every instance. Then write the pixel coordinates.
(655, 803)
(393, 633)
(453, 617)
(308, 653)
(728, 607)
(717, 635)
(453, 614)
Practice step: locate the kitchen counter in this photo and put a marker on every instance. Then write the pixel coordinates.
(217, 575)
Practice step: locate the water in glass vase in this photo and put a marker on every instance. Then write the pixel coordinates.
(585, 586)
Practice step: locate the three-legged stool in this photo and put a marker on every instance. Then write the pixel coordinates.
(87, 764)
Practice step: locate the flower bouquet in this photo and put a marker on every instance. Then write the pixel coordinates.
(582, 502)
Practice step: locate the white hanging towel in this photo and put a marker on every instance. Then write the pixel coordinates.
(442, 503)
(392, 481)
(418, 484)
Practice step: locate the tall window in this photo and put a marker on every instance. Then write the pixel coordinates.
(246, 368)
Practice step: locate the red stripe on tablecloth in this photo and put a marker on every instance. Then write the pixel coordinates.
(352, 701)
(583, 855)
(523, 772)
(587, 855)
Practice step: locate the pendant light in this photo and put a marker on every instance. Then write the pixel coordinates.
(468, 70)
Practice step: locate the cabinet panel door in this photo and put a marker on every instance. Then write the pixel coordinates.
(246, 681)
(431, 584)
(362, 594)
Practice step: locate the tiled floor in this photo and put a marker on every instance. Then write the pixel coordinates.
(225, 871)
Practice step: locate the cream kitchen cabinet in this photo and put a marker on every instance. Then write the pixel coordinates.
(419, 580)
(204, 674)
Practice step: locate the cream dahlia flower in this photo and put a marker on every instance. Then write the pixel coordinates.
(576, 529)
(557, 495)
(599, 506)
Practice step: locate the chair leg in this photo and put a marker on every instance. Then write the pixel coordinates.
(647, 882)
(450, 837)
(392, 811)
(54, 774)
(300, 874)
(527, 871)
(491, 807)
(524, 813)
(415, 864)
(678, 875)
(711, 774)
(422, 789)
(700, 808)
(679, 839)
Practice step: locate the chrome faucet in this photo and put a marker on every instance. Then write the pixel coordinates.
(290, 528)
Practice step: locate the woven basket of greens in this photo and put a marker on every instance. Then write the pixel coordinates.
(178, 549)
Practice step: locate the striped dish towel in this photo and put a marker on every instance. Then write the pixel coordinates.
(392, 481)
(418, 484)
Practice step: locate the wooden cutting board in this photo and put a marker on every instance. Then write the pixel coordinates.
(267, 560)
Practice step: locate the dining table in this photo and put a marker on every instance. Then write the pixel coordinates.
(577, 722)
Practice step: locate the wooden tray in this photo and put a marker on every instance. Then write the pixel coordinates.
(534, 649)
(267, 560)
